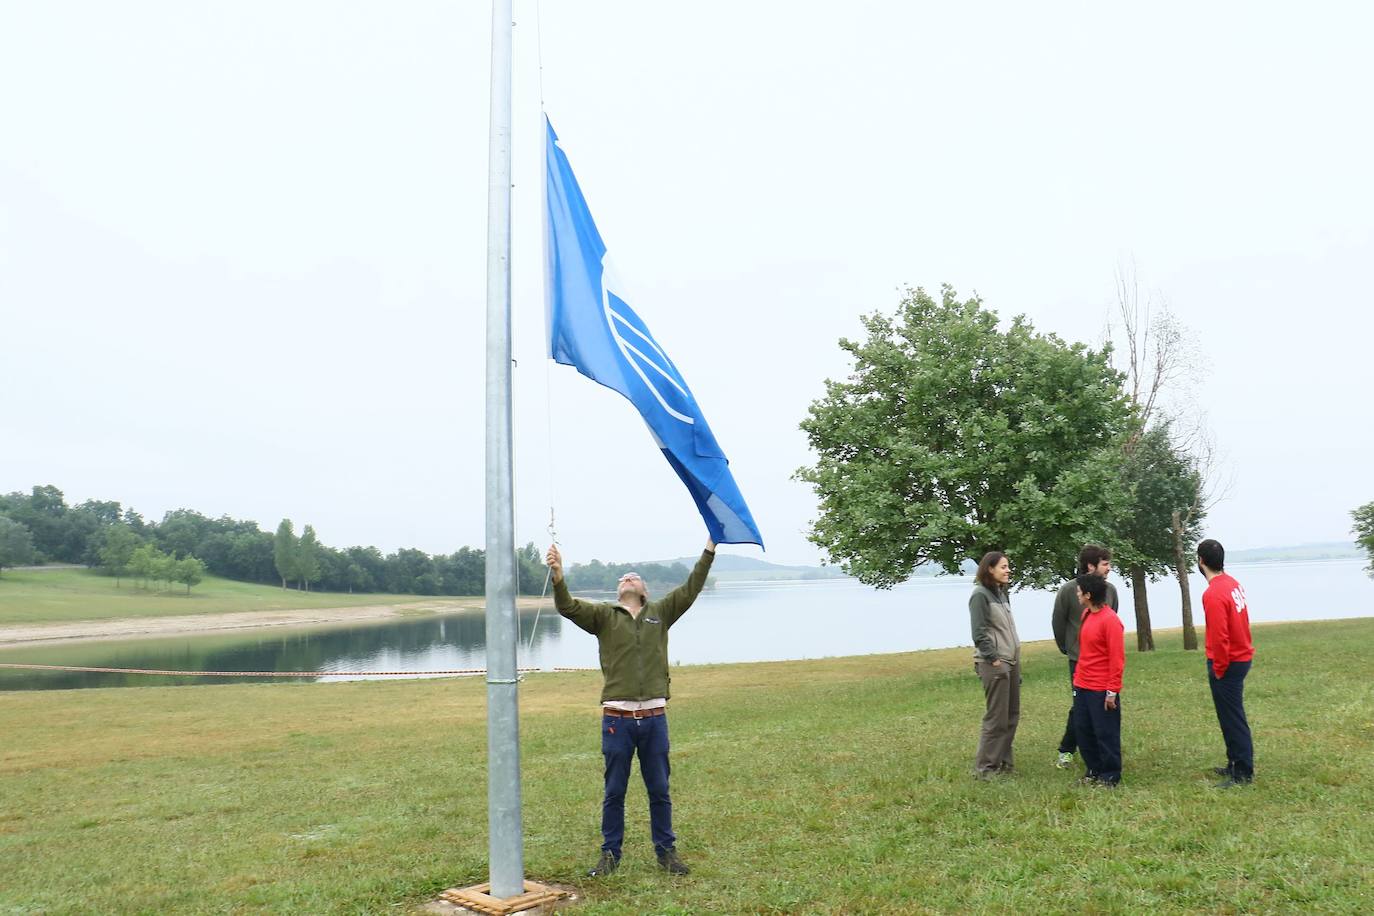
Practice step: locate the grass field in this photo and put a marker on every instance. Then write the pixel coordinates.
(59, 595)
(832, 786)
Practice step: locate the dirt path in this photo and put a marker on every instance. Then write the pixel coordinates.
(205, 624)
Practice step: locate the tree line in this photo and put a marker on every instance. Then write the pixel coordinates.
(40, 527)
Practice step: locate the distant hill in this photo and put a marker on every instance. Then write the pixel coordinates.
(1329, 550)
(729, 568)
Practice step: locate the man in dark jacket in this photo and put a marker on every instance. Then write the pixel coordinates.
(1067, 618)
(632, 633)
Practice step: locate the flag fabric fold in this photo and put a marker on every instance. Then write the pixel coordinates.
(593, 329)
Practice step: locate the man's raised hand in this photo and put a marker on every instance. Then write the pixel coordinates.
(554, 561)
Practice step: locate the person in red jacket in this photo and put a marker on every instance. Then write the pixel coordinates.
(1097, 684)
(1229, 652)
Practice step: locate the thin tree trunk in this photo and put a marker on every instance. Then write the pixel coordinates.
(1185, 590)
(1145, 637)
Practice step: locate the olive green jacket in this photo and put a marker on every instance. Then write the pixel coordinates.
(634, 650)
(994, 629)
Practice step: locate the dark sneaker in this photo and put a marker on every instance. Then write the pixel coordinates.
(669, 862)
(608, 864)
(1232, 782)
(1222, 771)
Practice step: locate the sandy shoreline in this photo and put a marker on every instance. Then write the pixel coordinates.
(205, 624)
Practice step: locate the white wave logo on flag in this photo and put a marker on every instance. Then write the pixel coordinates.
(613, 321)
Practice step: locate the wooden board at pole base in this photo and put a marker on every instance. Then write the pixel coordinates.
(479, 899)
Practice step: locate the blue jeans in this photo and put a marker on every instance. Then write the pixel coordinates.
(621, 738)
(1228, 696)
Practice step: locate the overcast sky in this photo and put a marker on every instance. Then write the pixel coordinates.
(242, 243)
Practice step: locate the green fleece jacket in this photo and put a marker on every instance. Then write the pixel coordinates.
(634, 650)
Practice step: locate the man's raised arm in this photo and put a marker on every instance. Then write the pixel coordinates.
(675, 603)
(588, 615)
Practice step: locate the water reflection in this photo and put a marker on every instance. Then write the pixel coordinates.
(449, 642)
(734, 622)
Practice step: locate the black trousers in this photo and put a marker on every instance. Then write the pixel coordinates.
(1069, 743)
(1099, 733)
(1228, 696)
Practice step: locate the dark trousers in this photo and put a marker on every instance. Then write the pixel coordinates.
(1099, 733)
(621, 739)
(1228, 695)
(1069, 743)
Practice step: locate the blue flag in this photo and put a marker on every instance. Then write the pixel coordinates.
(593, 329)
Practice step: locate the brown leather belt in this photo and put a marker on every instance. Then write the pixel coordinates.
(634, 713)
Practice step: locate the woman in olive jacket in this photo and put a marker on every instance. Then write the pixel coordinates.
(997, 660)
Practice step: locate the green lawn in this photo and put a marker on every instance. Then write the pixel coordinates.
(60, 595)
(832, 786)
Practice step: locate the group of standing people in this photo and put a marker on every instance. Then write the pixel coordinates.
(632, 633)
(1088, 631)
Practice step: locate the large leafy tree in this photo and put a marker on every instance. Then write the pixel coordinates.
(1364, 531)
(16, 544)
(953, 437)
(1163, 487)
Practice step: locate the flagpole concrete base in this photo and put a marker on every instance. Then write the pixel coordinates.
(537, 898)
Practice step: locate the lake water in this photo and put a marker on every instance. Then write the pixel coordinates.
(735, 622)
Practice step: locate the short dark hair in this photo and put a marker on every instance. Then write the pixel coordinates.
(1095, 587)
(1212, 555)
(985, 565)
(1090, 556)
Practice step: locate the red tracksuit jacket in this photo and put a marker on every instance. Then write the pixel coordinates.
(1228, 623)
(1101, 651)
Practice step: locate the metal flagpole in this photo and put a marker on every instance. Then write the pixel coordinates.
(503, 722)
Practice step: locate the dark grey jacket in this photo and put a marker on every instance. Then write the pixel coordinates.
(994, 629)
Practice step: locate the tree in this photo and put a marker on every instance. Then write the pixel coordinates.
(952, 438)
(284, 551)
(164, 567)
(1158, 356)
(117, 546)
(16, 544)
(182, 530)
(189, 571)
(1364, 531)
(1162, 483)
(308, 557)
(1199, 449)
(142, 562)
(42, 512)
